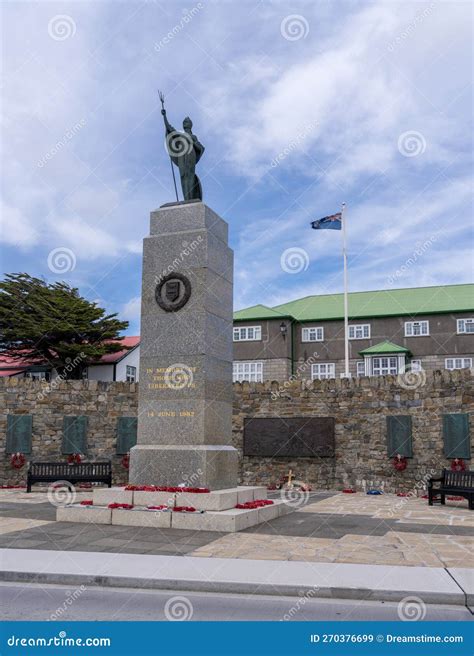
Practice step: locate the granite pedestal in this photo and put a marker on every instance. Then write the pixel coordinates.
(185, 390)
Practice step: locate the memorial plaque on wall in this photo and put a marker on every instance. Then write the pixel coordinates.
(289, 437)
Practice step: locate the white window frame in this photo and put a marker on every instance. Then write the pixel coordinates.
(412, 326)
(452, 363)
(130, 373)
(251, 371)
(388, 365)
(242, 333)
(415, 365)
(369, 364)
(307, 334)
(360, 368)
(37, 375)
(461, 326)
(359, 327)
(323, 370)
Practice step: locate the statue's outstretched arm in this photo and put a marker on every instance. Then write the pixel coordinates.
(168, 126)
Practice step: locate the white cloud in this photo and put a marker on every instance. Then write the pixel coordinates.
(358, 94)
(15, 229)
(131, 310)
(250, 93)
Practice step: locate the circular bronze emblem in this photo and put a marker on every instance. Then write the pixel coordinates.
(173, 292)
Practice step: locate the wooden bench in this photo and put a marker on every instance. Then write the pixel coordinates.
(83, 472)
(458, 483)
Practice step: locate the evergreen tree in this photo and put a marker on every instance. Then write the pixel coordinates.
(52, 322)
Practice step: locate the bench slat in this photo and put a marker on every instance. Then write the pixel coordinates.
(50, 472)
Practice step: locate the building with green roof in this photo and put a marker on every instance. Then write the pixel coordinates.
(390, 331)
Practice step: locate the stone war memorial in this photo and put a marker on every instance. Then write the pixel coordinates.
(184, 470)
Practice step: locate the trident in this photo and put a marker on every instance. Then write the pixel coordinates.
(161, 96)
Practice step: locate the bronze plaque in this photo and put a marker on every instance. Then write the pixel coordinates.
(173, 292)
(289, 437)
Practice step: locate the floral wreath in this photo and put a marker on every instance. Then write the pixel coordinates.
(17, 460)
(400, 462)
(458, 464)
(74, 458)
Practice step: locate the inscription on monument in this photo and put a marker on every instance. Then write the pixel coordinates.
(173, 292)
(175, 377)
(289, 437)
(170, 413)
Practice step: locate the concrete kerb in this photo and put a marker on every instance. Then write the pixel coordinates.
(183, 573)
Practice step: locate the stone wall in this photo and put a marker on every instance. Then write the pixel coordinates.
(102, 402)
(359, 407)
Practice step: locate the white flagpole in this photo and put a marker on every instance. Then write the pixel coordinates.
(346, 313)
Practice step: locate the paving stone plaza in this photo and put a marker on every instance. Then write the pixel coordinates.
(329, 527)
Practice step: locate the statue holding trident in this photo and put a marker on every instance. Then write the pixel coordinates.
(185, 151)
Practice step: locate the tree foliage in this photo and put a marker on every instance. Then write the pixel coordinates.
(53, 323)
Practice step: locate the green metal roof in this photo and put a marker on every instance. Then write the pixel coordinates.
(259, 312)
(384, 347)
(381, 303)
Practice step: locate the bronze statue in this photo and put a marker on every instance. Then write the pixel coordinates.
(185, 151)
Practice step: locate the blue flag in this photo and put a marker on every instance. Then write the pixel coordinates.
(333, 222)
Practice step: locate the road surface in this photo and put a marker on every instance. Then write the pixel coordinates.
(61, 602)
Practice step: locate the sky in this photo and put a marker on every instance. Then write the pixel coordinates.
(301, 106)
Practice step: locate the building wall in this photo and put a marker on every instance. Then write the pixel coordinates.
(359, 406)
(443, 342)
(271, 346)
(105, 372)
(274, 369)
(132, 359)
(102, 372)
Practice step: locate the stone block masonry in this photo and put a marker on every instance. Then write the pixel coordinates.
(48, 403)
(359, 407)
